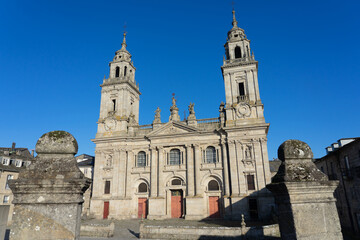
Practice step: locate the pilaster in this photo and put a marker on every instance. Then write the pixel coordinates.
(197, 164)
(189, 170)
(153, 174)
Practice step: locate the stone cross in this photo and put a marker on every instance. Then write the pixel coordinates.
(304, 196)
(48, 195)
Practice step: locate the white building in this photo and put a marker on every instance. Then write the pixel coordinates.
(197, 168)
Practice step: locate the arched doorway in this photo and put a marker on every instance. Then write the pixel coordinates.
(142, 200)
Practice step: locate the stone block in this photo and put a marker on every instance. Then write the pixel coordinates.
(48, 195)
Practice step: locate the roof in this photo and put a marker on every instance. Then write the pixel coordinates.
(337, 150)
(274, 165)
(89, 162)
(16, 153)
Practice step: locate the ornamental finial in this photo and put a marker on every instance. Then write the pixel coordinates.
(234, 22)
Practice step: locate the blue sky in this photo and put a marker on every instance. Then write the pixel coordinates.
(54, 54)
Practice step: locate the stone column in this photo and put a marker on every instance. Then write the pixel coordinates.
(197, 165)
(129, 164)
(233, 169)
(225, 168)
(122, 172)
(153, 174)
(304, 195)
(48, 195)
(161, 163)
(240, 167)
(189, 171)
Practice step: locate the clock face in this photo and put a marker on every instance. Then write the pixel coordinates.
(110, 124)
(243, 110)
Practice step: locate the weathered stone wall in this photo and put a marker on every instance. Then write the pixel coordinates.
(174, 232)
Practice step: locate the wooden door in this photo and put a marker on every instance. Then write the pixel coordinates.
(106, 210)
(176, 204)
(142, 207)
(214, 207)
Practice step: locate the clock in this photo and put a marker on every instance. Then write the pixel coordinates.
(109, 124)
(243, 110)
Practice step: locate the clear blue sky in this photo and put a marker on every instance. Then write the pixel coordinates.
(54, 54)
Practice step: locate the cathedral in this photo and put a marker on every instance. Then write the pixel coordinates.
(193, 168)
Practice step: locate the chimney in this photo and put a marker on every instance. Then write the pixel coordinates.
(32, 152)
(13, 147)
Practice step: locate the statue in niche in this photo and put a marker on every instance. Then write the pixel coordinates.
(248, 152)
(191, 108)
(109, 160)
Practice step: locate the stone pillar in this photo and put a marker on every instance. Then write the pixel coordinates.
(161, 180)
(304, 195)
(122, 173)
(48, 195)
(197, 164)
(129, 165)
(233, 169)
(153, 174)
(189, 171)
(225, 168)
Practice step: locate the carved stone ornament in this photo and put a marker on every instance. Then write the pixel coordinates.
(243, 110)
(109, 124)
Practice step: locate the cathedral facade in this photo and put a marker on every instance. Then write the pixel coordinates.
(195, 168)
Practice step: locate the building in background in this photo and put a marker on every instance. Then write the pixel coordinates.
(12, 161)
(86, 165)
(342, 162)
(195, 168)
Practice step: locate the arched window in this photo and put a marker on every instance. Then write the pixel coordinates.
(174, 157)
(213, 186)
(176, 182)
(142, 188)
(237, 52)
(210, 155)
(125, 68)
(117, 72)
(141, 159)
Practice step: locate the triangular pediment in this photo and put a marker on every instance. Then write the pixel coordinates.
(171, 128)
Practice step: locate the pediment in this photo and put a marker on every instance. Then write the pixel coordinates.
(173, 128)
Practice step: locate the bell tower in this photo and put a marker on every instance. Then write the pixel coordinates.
(240, 73)
(120, 95)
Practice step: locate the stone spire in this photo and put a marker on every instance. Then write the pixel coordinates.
(234, 22)
(123, 44)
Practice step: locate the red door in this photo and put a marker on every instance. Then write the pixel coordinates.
(214, 207)
(176, 204)
(142, 207)
(106, 210)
